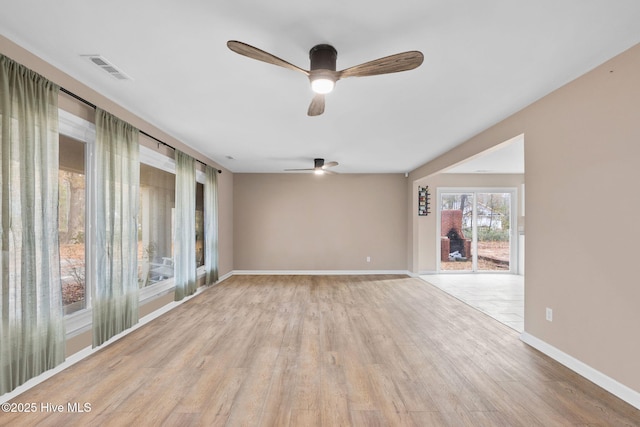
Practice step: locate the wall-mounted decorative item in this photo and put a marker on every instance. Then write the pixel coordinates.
(423, 201)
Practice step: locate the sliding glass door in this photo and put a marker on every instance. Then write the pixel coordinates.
(476, 232)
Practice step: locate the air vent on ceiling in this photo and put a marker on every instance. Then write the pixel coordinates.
(103, 63)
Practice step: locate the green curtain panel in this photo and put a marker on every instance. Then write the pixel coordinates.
(32, 333)
(185, 226)
(115, 303)
(211, 224)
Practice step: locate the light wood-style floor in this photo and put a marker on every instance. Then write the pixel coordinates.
(323, 350)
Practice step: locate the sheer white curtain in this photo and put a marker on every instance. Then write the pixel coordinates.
(32, 333)
(185, 226)
(211, 224)
(115, 304)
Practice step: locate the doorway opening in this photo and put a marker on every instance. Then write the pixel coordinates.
(485, 265)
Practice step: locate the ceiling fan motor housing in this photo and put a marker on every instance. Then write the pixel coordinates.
(323, 57)
(322, 73)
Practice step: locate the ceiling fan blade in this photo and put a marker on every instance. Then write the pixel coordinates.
(317, 105)
(255, 53)
(330, 165)
(389, 64)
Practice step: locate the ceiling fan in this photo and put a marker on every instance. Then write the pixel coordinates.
(319, 167)
(322, 72)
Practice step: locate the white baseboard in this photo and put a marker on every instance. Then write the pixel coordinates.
(224, 277)
(317, 272)
(625, 393)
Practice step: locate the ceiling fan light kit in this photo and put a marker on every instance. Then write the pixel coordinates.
(322, 71)
(321, 83)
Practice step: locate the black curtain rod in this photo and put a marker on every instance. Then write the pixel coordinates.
(73, 95)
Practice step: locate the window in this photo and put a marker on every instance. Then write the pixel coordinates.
(74, 213)
(156, 218)
(71, 225)
(155, 225)
(199, 224)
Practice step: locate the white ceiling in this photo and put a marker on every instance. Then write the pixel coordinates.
(484, 60)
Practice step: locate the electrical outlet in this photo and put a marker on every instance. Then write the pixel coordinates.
(549, 314)
(368, 259)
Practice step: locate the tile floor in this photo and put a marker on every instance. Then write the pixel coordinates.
(501, 296)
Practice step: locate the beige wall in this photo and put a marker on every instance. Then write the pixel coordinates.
(582, 147)
(309, 222)
(427, 225)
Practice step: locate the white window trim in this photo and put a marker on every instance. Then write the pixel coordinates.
(75, 127)
(157, 160)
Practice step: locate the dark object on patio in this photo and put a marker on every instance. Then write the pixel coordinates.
(456, 243)
(452, 238)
